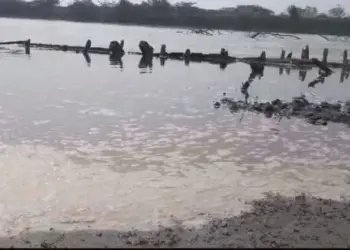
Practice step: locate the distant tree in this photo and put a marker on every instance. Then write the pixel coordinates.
(84, 10)
(322, 16)
(160, 8)
(185, 4)
(309, 12)
(159, 3)
(125, 4)
(297, 12)
(184, 14)
(252, 10)
(337, 12)
(43, 8)
(107, 4)
(47, 3)
(186, 9)
(294, 12)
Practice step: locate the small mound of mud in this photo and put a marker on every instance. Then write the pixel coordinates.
(276, 221)
(316, 114)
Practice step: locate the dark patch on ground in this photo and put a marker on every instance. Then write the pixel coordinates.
(300, 107)
(276, 221)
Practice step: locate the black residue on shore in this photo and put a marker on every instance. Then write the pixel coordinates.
(300, 107)
(275, 221)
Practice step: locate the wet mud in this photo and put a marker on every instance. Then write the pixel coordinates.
(274, 221)
(300, 107)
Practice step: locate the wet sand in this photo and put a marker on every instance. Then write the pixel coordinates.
(275, 221)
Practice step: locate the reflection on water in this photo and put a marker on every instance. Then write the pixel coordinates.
(87, 59)
(146, 64)
(108, 148)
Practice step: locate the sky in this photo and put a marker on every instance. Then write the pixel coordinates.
(276, 5)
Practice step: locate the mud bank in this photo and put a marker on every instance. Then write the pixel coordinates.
(275, 221)
(316, 114)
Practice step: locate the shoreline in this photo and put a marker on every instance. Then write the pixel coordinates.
(184, 27)
(274, 221)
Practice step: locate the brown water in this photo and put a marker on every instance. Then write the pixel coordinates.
(108, 147)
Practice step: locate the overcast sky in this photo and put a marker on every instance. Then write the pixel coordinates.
(276, 5)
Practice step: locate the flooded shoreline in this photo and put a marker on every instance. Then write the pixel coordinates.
(114, 147)
(274, 221)
(43, 188)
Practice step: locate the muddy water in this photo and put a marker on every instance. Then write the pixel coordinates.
(106, 146)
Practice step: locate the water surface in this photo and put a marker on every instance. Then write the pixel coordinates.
(106, 146)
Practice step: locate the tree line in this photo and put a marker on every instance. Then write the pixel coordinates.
(184, 14)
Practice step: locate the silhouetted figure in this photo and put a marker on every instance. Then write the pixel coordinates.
(289, 56)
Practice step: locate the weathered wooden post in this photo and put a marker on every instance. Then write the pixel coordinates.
(288, 71)
(147, 55)
(342, 75)
(163, 50)
(146, 49)
(87, 46)
(262, 56)
(187, 53)
(187, 56)
(325, 56)
(283, 54)
(27, 47)
(223, 52)
(302, 75)
(116, 49)
(307, 52)
(345, 58)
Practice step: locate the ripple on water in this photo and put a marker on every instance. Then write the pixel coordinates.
(98, 112)
(155, 173)
(140, 162)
